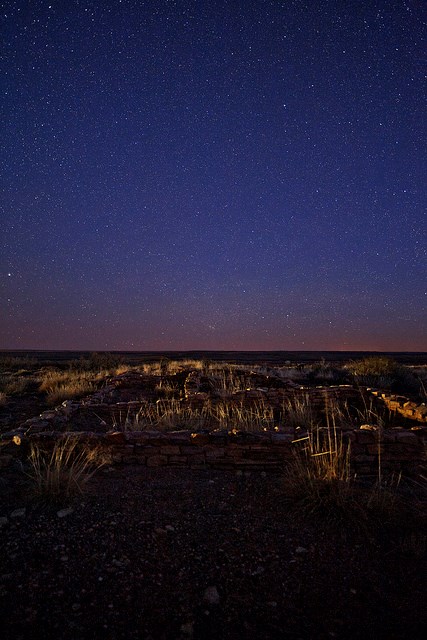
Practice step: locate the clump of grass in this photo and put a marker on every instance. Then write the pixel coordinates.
(11, 363)
(373, 366)
(63, 471)
(383, 502)
(69, 392)
(384, 373)
(318, 482)
(298, 412)
(296, 374)
(415, 544)
(228, 381)
(167, 389)
(238, 417)
(168, 414)
(75, 383)
(97, 362)
(14, 385)
(66, 385)
(419, 374)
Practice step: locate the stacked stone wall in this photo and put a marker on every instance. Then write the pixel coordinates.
(401, 404)
(395, 451)
(100, 420)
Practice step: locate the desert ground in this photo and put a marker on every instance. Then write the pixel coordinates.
(131, 551)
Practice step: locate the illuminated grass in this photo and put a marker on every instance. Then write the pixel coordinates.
(64, 471)
(171, 414)
(66, 385)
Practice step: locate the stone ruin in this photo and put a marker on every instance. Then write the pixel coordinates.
(103, 419)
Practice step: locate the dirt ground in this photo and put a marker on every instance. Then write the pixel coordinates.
(180, 554)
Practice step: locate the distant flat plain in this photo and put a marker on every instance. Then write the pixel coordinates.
(278, 358)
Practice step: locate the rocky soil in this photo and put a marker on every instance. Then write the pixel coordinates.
(180, 554)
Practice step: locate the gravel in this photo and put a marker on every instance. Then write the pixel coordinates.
(174, 553)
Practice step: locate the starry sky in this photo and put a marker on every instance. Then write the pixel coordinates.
(222, 174)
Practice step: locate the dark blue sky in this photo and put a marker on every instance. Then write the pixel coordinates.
(213, 174)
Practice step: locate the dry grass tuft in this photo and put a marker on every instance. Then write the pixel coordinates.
(65, 385)
(63, 471)
(169, 414)
(13, 384)
(298, 412)
(319, 483)
(10, 363)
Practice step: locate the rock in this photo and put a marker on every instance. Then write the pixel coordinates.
(18, 513)
(120, 564)
(188, 629)
(211, 596)
(160, 531)
(62, 513)
(301, 550)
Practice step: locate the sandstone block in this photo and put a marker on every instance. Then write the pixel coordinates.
(200, 438)
(181, 461)
(217, 452)
(180, 437)
(170, 450)
(410, 405)
(147, 450)
(115, 437)
(190, 450)
(157, 461)
(406, 437)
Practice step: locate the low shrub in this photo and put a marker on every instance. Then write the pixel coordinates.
(97, 362)
(384, 373)
(11, 363)
(374, 366)
(378, 371)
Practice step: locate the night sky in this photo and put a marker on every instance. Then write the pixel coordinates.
(213, 174)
